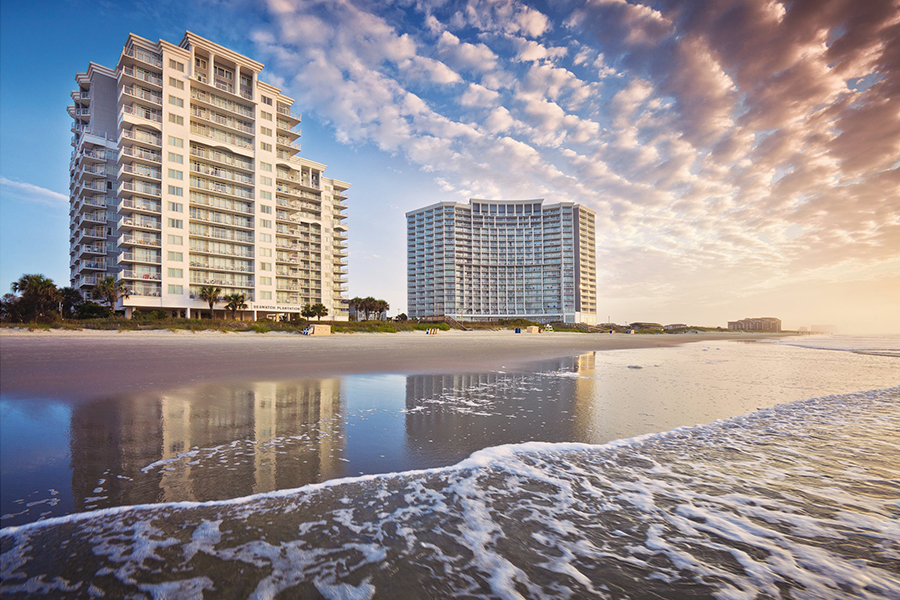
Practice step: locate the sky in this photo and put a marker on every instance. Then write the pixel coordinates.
(742, 156)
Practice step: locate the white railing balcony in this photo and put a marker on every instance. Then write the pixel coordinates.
(142, 94)
(141, 153)
(95, 265)
(143, 223)
(143, 113)
(224, 85)
(138, 240)
(147, 291)
(139, 204)
(139, 188)
(148, 276)
(86, 280)
(140, 171)
(143, 56)
(141, 74)
(139, 257)
(142, 136)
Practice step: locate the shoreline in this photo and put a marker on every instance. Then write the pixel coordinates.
(89, 364)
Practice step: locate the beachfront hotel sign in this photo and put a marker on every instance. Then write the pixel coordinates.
(278, 307)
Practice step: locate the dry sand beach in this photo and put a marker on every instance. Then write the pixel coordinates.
(91, 363)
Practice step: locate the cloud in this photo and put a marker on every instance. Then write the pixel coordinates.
(29, 192)
(724, 145)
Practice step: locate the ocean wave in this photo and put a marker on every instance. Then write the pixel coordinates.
(802, 496)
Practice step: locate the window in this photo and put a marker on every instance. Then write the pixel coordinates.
(176, 191)
(178, 120)
(176, 207)
(265, 223)
(265, 115)
(265, 252)
(176, 174)
(176, 272)
(176, 240)
(179, 85)
(265, 180)
(176, 101)
(176, 223)
(177, 142)
(265, 295)
(265, 281)
(264, 266)
(176, 256)
(265, 237)
(264, 195)
(264, 166)
(224, 74)
(265, 147)
(246, 80)
(266, 100)
(174, 64)
(265, 130)
(200, 63)
(176, 158)
(265, 209)
(176, 289)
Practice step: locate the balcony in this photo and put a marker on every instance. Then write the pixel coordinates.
(140, 257)
(205, 279)
(143, 56)
(142, 112)
(142, 136)
(137, 187)
(95, 248)
(127, 171)
(286, 142)
(88, 280)
(140, 94)
(93, 233)
(139, 223)
(140, 74)
(140, 205)
(219, 102)
(222, 234)
(144, 290)
(83, 96)
(141, 154)
(138, 240)
(144, 275)
(94, 265)
(285, 111)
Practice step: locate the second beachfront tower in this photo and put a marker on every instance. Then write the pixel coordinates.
(502, 259)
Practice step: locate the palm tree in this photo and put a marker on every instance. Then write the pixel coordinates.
(307, 312)
(382, 307)
(356, 304)
(69, 298)
(39, 298)
(235, 302)
(318, 310)
(110, 289)
(369, 305)
(211, 294)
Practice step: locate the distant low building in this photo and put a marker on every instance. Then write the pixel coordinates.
(640, 326)
(674, 326)
(757, 324)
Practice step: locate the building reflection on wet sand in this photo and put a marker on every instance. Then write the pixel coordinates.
(206, 442)
(471, 412)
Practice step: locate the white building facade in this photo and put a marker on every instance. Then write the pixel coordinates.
(499, 259)
(185, 173)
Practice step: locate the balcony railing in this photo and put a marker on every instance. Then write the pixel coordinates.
(225, 103)
(141, 153)
(139, 204)
(139, 222)
(143, 56)
(145, 290)
(141, 171)
(143, 240)
(283, 110)
(140, 257)
(143, 94)
(142, 136)
(127, 274)
(139, 73)
(144, 113)
(140, 188)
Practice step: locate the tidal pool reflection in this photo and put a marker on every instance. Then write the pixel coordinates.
(211, 442)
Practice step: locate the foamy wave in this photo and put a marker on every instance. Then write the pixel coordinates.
(802, 497)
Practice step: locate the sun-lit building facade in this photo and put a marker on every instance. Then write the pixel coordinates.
(502, 259)
(185, 173)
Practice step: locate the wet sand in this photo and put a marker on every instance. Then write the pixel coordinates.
(88, 364)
